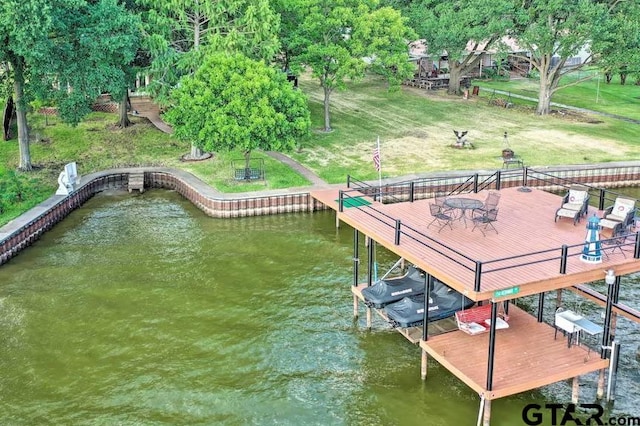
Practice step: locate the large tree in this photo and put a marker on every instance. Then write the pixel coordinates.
(182, 32)
(336, 38)
(618, 42)
(233, 102)
(553, 32)
(461, 30)
(66, 51)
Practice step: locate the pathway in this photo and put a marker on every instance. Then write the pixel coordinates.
(308, 174)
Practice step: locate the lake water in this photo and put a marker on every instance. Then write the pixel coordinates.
(139, 309)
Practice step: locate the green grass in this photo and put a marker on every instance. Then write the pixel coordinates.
(414, 126)
(593, 94)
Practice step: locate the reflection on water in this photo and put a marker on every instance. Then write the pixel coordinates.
(141, 310)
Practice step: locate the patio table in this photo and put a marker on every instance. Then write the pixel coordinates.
(463, 204)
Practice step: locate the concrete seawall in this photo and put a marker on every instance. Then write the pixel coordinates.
(24, 230)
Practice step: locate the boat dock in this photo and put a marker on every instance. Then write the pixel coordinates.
(530, 254)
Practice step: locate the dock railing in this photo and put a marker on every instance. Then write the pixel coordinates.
(408, 191)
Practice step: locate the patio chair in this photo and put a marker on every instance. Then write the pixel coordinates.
(440, 216)
(622, 212)
(439, 200)
(575, 204)
(620, 239)
(490, 203)
(484, 220)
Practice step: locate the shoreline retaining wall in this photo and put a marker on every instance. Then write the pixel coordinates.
(23, 231)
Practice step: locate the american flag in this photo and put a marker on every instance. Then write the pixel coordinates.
(376, 158)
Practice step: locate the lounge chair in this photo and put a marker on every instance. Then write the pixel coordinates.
(575, 204)
(622, 212)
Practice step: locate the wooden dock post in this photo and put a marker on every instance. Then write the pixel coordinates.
(355, 306)
(575, 390)
(368, 318)
(486, 418)
(558, 298)
(600, 391)
(423, 365)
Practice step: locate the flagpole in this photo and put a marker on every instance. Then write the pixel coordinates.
(380, 170)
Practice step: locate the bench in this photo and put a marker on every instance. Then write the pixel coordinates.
(251, 173)
(517, 161)
(477, 320)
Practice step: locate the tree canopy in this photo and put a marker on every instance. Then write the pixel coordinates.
(552, 32)
(335, 38)
(233, 102)
(459, 30)
(64, 51)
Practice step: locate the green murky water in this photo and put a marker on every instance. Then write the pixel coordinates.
(141, 310)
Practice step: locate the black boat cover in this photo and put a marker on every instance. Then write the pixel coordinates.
(443, 303)
(392, 290)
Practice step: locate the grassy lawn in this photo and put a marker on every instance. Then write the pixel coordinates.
(415, 129)
(416, 132)
(593, 94)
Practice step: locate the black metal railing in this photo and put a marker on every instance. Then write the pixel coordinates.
(454, 185)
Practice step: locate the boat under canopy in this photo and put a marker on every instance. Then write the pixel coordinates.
(392, 290)
(444, 302)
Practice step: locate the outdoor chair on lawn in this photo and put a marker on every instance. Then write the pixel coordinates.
(484, 220)
(622, 212)
(575, 204)
(440, 216)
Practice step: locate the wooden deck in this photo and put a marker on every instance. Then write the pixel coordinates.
(525, 226)
(527, 356)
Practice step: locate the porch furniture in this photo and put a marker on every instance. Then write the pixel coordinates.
(620, 239)
(463, 204)
(490, 202)
(484, 220)
(512, 161)
(575, 204)
(622, 211)
(572, 324)
(440, 217)
(477, 320)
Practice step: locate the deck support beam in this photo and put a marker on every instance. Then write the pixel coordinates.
(492, 345)
(540, 306)
(486, 418)
(370, 266)
(600, 389)
(558, 298)
(428, 283)
(423, 365)
(356, 266)
(575, 390)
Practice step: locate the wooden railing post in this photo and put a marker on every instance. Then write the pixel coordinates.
(475, 183)
(412, 188)
(398, 224)
(341, 201)
(498, 180)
